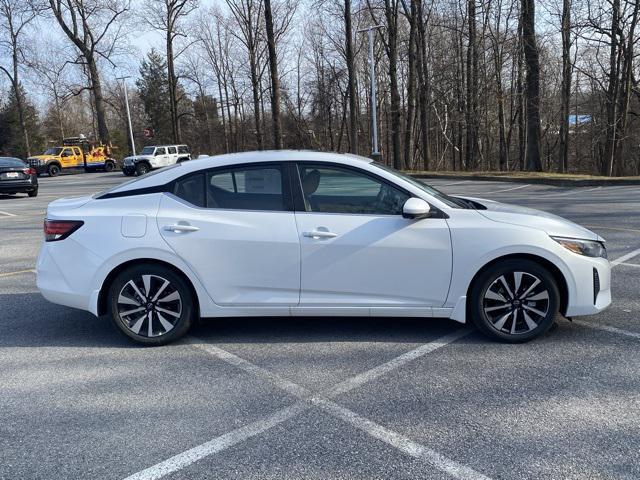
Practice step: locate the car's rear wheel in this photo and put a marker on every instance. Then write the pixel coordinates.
(109, 166)
(142, 168)
(514, 301)
(151, 304)
(33, 193)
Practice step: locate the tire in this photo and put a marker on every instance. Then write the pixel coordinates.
(33, 193)
(109, 167)
(127, 173)
(142, 168)
(53, 170)
(171, 312)
(525, 308)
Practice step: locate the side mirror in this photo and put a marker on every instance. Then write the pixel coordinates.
(415, 208)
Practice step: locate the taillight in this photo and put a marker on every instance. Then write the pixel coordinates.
(60, 229)
(29, 171)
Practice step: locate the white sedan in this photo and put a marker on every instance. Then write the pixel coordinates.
(306, 233)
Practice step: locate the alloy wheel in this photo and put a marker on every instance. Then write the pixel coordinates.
(149, 305)
(516, 303)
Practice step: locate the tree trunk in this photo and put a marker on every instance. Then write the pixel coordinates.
(173, 101)
(275, 81)
(423, 77)
(471, 110)
(532, 85)
(411, 88)
(565, 89)
(391, 13)
(353, 94)
(98, 100)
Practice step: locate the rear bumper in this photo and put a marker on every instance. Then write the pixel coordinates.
(64, 286)
(18, 187)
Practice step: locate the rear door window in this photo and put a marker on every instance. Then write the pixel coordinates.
(246, 188)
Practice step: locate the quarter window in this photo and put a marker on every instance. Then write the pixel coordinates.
(246, 188)
(191, 189)
(183, 149)
(172, 150)
(331, 189)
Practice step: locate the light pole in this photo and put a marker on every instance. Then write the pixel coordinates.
(375, 153)
(126, 101)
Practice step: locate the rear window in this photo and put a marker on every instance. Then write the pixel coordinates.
(11, 162)
(137, 179)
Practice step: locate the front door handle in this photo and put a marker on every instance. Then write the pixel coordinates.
(180, 228)
(319, 234)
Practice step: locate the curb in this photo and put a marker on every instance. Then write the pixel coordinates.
(559, 182)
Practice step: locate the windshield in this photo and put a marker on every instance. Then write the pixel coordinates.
(53, 151)
(147, 151)
(443, 197)
(137, 179)
(11, 162)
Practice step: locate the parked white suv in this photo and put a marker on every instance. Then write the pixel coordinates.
(155, 156)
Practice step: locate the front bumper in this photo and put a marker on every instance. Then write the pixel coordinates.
(593, 286)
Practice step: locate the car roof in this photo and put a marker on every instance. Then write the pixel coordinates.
(229, 159)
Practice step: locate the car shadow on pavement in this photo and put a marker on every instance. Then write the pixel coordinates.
(28, 320)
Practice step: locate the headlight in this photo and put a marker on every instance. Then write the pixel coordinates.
(588, 248)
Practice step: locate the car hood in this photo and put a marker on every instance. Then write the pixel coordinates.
(42, 157)
(530, 217)
(138, 157)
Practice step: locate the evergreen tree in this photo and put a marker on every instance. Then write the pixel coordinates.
(12, 142)
(153, 89)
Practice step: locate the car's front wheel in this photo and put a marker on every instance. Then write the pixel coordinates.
(142, 168)
(151, 304)
(514, 300)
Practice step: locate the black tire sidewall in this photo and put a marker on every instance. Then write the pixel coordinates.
(53, 170)
(108, 167)
(184, 322)
(482, 283)
(33, 193)
(142, 168)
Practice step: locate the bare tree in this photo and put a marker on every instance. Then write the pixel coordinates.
(248, 16)
(565, 89)
(167, 16)
(15, 16)
(532, 85)
(93, 27)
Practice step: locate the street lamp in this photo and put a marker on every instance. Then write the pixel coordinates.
(126, 101)
(375, 154)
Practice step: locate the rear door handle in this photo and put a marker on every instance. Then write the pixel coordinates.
(319, 234)
(180, 228)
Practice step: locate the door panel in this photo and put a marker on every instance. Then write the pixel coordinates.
(374, 260)
(358, 250)
(242, 257)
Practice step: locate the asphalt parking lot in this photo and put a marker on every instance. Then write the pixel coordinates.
(318, 397)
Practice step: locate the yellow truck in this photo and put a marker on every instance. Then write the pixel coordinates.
(76, 153)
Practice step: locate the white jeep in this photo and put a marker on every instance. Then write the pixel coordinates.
(155, 156)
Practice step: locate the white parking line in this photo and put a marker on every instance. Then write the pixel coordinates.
(400, 442)
(626, 257)
(629, 264)
(509, 189)
(308, 399)
(18, 272)
(7, 214)
(218, 444)
(607, 328)
(570, 192)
